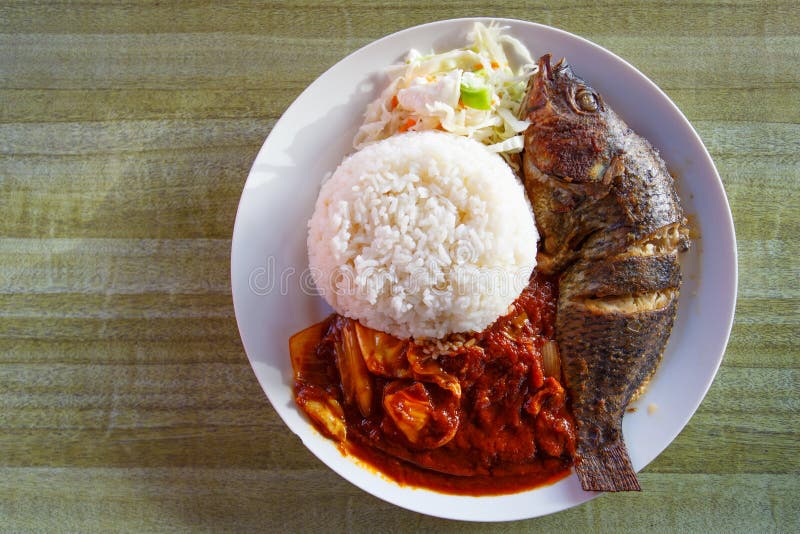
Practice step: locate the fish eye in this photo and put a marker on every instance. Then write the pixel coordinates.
(586, 100)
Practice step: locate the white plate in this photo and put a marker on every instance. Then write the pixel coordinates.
(273, 297)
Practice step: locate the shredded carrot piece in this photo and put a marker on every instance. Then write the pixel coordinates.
(478, 66)
(408, 124)
(495, 65)
(395, 101)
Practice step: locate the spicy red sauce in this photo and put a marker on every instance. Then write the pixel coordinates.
(479, 418)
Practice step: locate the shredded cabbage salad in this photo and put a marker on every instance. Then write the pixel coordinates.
(472, 91)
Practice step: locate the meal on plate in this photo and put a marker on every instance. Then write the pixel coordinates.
(501, 253)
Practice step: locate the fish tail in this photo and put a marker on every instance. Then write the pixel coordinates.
(607, 469)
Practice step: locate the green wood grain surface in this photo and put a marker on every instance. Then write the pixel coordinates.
(126, 133)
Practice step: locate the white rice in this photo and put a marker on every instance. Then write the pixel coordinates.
(422, 235)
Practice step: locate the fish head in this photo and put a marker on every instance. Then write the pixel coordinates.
(568, 160)
(569, 134)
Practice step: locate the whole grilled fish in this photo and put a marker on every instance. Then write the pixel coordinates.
(612, 226)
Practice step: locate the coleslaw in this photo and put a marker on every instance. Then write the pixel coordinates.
(473, 91)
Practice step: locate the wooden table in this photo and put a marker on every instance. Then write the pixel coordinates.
(126, 134)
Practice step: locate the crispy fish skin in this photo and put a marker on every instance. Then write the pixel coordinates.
(612, 227)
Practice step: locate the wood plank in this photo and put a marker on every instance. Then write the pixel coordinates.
(119, 266)
(187, 328)
(763, 345)
(759, 391)
(166, 61)
(70, 105)
(257, 445)
(144, 305)
(746, 139)
(289, 18)
(754, 104)
(33, 351)
(112, 137)
(769, 260)
(188, 500)
(773, 311)
(733, 442)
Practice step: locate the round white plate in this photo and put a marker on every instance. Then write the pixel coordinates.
(273, 295)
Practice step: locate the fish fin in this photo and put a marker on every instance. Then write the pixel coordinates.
(608, 469)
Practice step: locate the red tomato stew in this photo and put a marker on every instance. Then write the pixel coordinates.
(474, 414)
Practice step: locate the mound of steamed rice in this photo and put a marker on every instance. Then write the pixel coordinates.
(422, 235)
